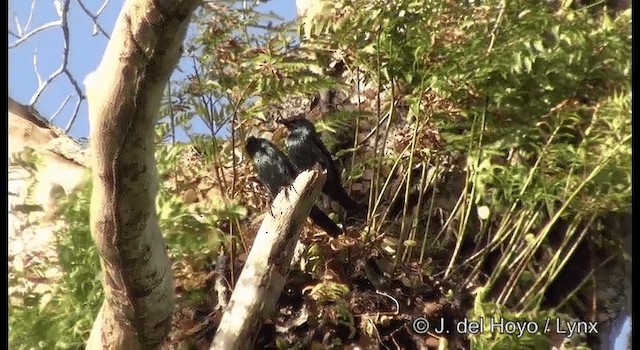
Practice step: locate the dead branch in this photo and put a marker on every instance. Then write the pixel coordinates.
(64, 67)
(124, 96)
(22, 35)
(96, 25)
(267, 267)
(21, 38)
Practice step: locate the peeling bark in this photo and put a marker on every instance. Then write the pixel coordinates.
(267, 267)
(124, 95)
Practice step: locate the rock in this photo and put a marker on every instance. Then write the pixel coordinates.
(59, 168)
(190, 196)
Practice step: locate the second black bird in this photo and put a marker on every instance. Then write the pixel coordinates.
(305, 149)
(275, 171)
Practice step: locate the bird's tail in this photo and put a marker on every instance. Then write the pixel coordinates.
(351, 207)
(321, 219)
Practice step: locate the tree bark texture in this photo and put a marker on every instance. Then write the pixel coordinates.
(124, 95)
(267, 267)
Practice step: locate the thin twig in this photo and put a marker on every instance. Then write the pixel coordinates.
(62, 9)
(94, 18)
(206, 102)
(102, 7)
(64, 103)
(35, 66)
(18, 27)
(64, 24)
(172, 118)
(219, 173)
(43, 27)
(33, 5)
(494, 32)
(44, 84)
(73, 116)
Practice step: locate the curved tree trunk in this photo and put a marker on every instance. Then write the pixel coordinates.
(124, 95)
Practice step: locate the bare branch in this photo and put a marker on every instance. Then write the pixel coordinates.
(62, 8)
(73, 116)
(102, 7)
(94, 18)
(33, 5)
(15, 19)
(35, 66)
(42, 86)
(495, 27)
(63, 69)
(64, 103)
(64, 17)
(24, 37)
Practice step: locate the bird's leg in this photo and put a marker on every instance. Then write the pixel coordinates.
(271, 209)
(287, 189)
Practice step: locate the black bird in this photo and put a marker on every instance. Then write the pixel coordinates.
(305, 149)
(275, 171)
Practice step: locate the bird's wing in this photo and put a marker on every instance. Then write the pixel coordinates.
(284, 165)
(290, 168)
(325, 154)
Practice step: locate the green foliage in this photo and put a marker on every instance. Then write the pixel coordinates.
(60, 316)
(192, 232)
(500, 328)
(336, 130)
(244, 65)
(534, 97)
(28, 160)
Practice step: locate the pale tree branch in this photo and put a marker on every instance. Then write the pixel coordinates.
(17, 23)
(124, 96)
(31, 10)
(35, 66)
(104, 4)
(63, 69)
(43, 84)
(24, 37)
(74, 115)
(96, 26)
(267, 267)
(64, 103)
(62, 9)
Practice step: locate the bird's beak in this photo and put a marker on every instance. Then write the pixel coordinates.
(282, 121)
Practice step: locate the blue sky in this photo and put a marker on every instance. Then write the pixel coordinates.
(85, 53)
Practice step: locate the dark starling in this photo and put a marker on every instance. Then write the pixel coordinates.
(275, 171)
(305, 149)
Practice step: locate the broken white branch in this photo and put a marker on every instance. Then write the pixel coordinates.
(267, 267)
